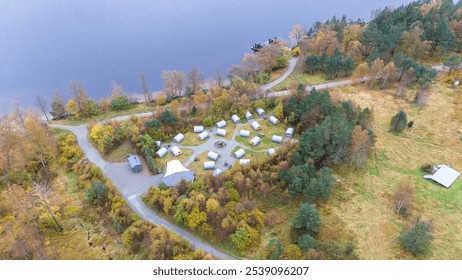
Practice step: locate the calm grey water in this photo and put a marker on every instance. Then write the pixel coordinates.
(45, 44)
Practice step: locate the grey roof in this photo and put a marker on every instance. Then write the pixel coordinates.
(221, 132)
(178, 138)
(271, 152)
(445, 176)
(217, 172)
(244, 161)
(255, 125)
(244, 133)
(239, 153)
(198, 128)
(221, 124)
(203, 135)
(255, 141)
(176, 172)
(175, 151)
(290, 132)
(273, 120)
(235, 119)
(175, 178)
(276, 139)
(209, 165)
(248, 115)
(162, 152)
(260, 111)
(213, 156)
(134, 160)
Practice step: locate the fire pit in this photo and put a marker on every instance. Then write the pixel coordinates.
(220, 144)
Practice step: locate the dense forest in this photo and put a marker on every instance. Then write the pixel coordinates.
(57, 205)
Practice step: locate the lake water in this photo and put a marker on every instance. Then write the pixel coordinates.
(48, 43)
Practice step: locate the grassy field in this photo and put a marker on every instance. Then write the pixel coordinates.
(301, 78)
(120, 153)
(363, 199)
(190, 139)
(198, 166)
(268, 129)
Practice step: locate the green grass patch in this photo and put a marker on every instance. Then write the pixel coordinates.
(190, 139)
(303, 78)
(198, 166)
(71, 185)
(268, 130)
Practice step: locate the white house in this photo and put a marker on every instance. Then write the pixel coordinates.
(209, 165)
(244, 133)
(273, 120)
(255, 141)
(261, 112)
(221, 124)
(198, 128)
(162, 152)
(239, 153)
(271, 152)
(235, 119)
(158, 143)
(276, 139)
(248, 115)
(244, 161)
(444, 175)
(175, 151)
(255, 126)
(178, 138)
(221, 132)
(203, 135)
(213, 156)
(290, 132)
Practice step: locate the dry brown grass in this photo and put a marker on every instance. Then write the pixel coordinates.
(364, 200)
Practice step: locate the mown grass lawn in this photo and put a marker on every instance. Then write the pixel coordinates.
(268, 130)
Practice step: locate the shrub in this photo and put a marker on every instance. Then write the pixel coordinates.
(154, 123)
(97, 194)
(307, 218)
(120, 103)
(207, 122)
(427, 168)
(274, 249)
(306, 242)
(398, 122)
(418, 239)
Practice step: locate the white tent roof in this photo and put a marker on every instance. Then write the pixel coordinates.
(217, 172)
(235, 118)
(162, 152)
(244, 133)
(221, 124)
(176, 172)
(444, 176)
(248, 115)
(198, 128)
